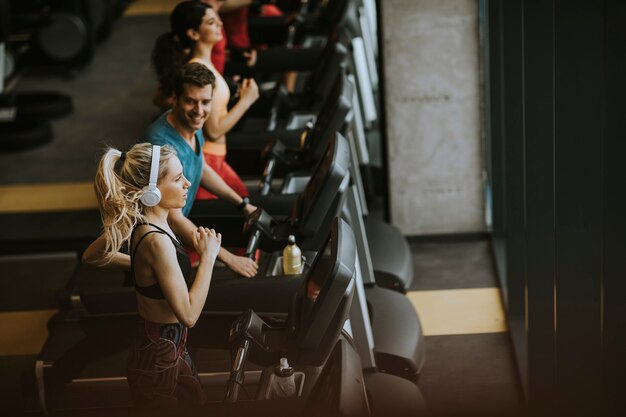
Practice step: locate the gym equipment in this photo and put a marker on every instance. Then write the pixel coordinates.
(23, 118)
(314, 19)
(279, 35)
(399, 347)
(276, 105)
(316, 87)
(35, 105)
(391, 253)
(21, 114)
(294, 149)
(46, 32)
(17, 136)
(303, 214)
(60, 33)
(312, 338)
(5, 26)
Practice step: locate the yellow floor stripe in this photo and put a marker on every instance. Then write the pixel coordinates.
(23, 332)
(442, 312)
(148, 7)
(467, 311)
(47, 197)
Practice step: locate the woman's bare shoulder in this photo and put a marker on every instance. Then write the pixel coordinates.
(153, 241)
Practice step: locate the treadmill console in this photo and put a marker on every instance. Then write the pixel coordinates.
(249, 326)
(259, 220)
(322, 305)
(319, 203)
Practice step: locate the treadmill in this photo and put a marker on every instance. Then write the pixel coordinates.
(327, 369)
(275, 107)
(398, 339)
(295, 148)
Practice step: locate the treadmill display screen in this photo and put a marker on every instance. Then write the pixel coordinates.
(328, 110)
(320, 272)
(316, 184)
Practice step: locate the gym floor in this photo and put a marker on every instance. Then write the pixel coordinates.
(469, 368)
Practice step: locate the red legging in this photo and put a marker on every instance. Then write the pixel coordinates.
(219, 165)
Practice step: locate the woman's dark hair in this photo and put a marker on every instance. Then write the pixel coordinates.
(172, 49)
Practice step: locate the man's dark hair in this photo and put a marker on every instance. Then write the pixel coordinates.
(193, 74)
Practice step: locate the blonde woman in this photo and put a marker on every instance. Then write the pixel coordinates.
(136, 191)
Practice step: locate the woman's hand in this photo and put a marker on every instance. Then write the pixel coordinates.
(249, 91)
(207, 242)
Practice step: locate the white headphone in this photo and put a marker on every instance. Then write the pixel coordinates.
(151, 194)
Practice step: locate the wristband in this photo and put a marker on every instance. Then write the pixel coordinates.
(243, 204)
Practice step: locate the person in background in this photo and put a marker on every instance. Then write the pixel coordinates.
(196, 25)
(136, 190)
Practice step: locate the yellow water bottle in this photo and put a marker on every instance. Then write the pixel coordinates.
(292, 257)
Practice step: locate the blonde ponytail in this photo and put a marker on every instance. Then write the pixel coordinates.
(119, 185)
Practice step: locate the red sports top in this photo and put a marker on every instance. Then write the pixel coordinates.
(218, 53)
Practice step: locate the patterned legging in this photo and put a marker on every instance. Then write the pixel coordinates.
(160, 371)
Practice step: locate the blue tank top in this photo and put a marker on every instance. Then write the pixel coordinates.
(154, 291)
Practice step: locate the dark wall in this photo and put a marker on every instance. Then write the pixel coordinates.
(557, 135)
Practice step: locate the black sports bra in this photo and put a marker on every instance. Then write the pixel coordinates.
(154, 291)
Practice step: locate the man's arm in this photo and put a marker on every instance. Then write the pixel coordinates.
(182, 227)
(215, 184)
